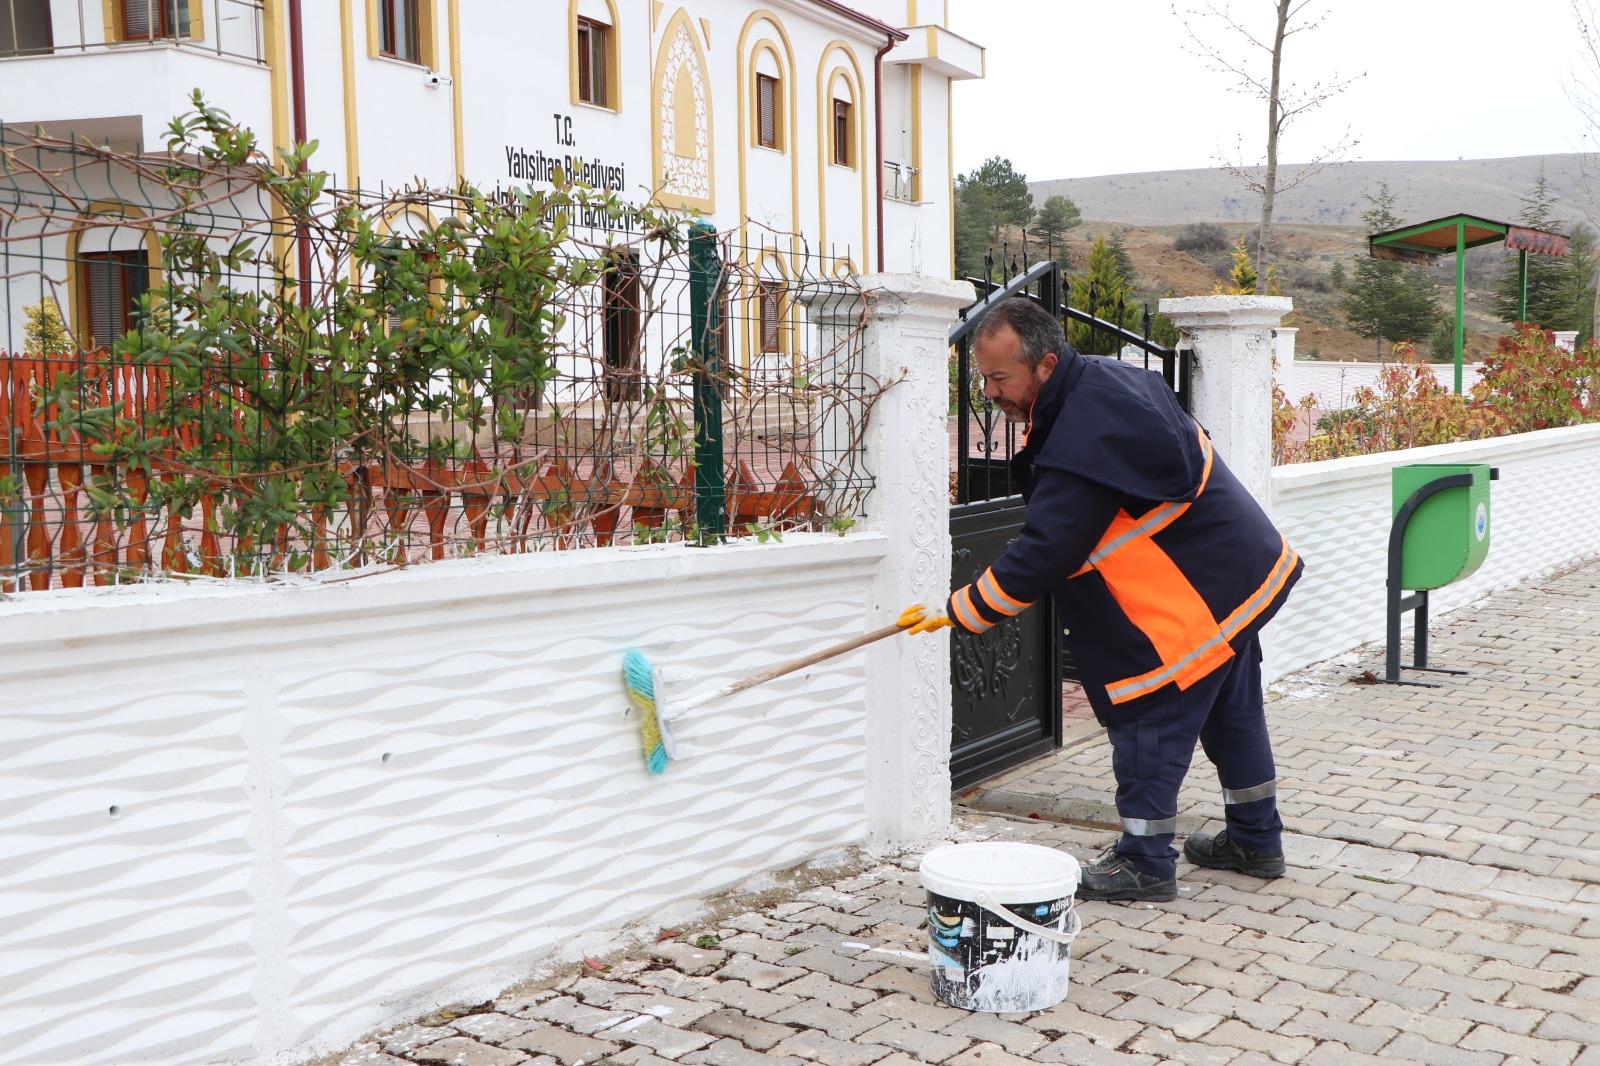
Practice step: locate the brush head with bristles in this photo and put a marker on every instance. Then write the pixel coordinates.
(639, 679)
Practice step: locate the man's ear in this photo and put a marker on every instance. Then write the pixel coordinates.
(1048, 364)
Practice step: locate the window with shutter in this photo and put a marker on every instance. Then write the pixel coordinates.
(766, 111)
(842, 148)
(593, 57)
(144, 20)
(112, 283)
(769, 295)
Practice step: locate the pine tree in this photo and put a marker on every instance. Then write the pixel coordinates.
(1546, 274)
(1389, 300)
(1104, 292)
(989, 199)
(1058, 215)
(1336, 275)
(1119, 249)
(1576, 297)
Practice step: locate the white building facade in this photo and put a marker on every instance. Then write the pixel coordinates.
(824, 127)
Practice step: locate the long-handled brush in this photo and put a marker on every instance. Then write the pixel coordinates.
(646, 692)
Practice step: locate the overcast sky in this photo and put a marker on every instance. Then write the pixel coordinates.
(1084, 87)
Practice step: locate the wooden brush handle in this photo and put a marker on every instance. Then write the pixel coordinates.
(774, 672)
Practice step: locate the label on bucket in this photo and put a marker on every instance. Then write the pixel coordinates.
(982, 962)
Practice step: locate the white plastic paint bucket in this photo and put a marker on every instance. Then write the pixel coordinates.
(1000, 924)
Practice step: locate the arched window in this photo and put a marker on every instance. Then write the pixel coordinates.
(593, 50)
(769, 128)
(842, 124)
(112, 260)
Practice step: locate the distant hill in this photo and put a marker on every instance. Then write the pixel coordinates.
(1423, 190)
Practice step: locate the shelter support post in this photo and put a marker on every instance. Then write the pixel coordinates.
(1461, 303)
(1522, 285)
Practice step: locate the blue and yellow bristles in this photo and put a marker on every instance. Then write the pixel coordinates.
(640, 680)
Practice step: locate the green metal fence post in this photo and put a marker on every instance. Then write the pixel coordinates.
(705, 314)
(1522, 285)
(1461, 303)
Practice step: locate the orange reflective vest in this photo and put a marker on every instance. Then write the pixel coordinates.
(1160, 564)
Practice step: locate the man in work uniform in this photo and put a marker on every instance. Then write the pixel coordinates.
(1164, 570)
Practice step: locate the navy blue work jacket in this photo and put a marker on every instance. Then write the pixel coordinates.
(1162, 565)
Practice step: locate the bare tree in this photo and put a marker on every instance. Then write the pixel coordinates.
(1234, 46)
(1583, 89)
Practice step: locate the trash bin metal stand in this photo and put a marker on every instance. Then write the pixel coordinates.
(1399, 602)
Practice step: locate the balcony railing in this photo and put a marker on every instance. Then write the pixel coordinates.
(899, 181)
(230, 28)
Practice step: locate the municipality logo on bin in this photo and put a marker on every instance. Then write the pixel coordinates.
(1480, 524)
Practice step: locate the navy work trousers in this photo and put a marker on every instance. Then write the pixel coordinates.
(1150, 756)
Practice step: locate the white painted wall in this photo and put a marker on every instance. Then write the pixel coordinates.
(1334, 383)
(340, 805)
(1545, 514)
(243, 823)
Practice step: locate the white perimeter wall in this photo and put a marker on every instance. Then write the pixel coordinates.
(1334, 384)
(339, 806)
(1545, 513)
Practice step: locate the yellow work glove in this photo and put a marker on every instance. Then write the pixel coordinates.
(915, 619)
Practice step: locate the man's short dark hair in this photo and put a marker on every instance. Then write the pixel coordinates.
(1039, 330)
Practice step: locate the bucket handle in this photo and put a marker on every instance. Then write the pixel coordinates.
(989, 903)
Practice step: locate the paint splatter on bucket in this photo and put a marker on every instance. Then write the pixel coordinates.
(1000, 924)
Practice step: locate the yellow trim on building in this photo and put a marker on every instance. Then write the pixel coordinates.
(347, 65)
(861, 159)
(658, 99)
(613, 59)
(272, 26)
(789, 126)
(457, 129)
(77, 313)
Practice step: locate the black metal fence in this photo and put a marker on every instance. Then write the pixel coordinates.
(984, 441)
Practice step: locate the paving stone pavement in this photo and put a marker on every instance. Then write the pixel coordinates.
(1442, 905)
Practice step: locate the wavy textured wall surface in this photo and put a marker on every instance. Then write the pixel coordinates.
(340, 805)
(1545, 513)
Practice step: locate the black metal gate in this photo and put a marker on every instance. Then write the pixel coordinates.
(1007, 682)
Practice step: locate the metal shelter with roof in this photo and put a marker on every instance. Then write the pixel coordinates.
(1420, 242)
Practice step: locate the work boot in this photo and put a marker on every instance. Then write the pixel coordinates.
(1220, 853)
(1113, 877)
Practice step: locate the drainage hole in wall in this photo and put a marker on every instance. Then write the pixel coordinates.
(114, 811)
(387, 756)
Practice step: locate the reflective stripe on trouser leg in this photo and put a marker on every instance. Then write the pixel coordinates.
(1150, 827)
(1251, 794)
(1235, 738)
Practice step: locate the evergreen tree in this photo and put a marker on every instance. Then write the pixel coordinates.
(1119, 249)
(1546, 274)
(1336, 275)
(1104, 292)
(1389, 300)
(988, 200)
(1058, 215)
(1242, 278)
(1576, 298)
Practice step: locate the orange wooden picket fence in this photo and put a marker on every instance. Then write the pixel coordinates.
(51, 535)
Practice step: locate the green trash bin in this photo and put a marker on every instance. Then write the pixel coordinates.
(1448, 536)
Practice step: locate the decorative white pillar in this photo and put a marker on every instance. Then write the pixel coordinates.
(1283, 345)
(1567, 340)
(903, 320)
(1232, 376)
